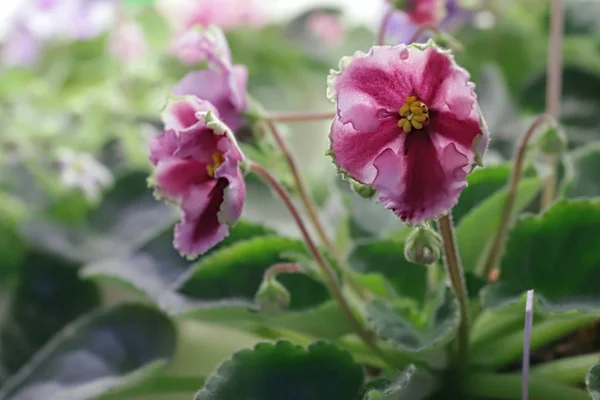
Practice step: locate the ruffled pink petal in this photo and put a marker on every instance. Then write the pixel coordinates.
(224, 88)
(460, 131)
(235, 192)
(355, 151)
(424, 180)
(179, 113)
(369, 82)
(199, 142)
(163, 146)
(175, 176)
(200, 228)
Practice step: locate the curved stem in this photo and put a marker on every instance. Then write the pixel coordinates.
(553, 87)
(383, 26)
(311, 209)
(456, 274)
(422, 29)
(508, 386)
(282, 268)
(327, 271)
(569, 370)
(298, 117)
(497, 247)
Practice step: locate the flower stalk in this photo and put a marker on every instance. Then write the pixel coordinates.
(298, 117)
(311, 209)
(327, 271)
(383, 26)
(457, 280)
(553, 88)
(497, 247)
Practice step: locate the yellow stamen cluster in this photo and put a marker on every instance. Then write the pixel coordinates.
(414, 113)
(218, 158)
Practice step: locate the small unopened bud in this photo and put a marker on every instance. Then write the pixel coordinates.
(423, 246)
(272, 297)
(363, 191)
(552, 141)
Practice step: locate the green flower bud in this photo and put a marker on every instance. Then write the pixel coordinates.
(363, 191)
(272, 297)
(552, 141)
(423, 246)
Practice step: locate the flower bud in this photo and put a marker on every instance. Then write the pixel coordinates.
(272, 297)
(552, 141)
(363, 191)
(423, 246)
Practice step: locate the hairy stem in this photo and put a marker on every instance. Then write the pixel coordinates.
(327, 271)
(298, 117)
(553, 88)
(508, 386)
(457, 279)
(282, 268)
(311, 209)
(497, 247)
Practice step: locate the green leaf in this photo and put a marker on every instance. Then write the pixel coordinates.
(236, 272)
(483, 182)
(477, 228)
(282, 370)
(557, 255)
(585, 172)
(411, 384)
(592, 381)
(96, 354)
(48, 295)
(158, 265)
(386, 257)
(581, 17)
(412, 331)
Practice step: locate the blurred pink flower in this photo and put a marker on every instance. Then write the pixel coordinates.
(228, 14)
(326, 27)
(199, 44)
(222, 84)
(198, 167)
(128, 42)
(408, 125)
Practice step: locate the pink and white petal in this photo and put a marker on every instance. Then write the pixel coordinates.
(200, 229)
(355, 152)
(460, 131)
(367, 83)
(198, 142)
(163, 146)
(175, 176)
(423, 181)
(179, 113)
(214, 86)
(239, 86)
(234, 197)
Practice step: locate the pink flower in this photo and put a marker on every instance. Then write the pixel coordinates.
(198, 44)
(326, 27)
(423, 12)
(128, 42)
(408, 125)
(222, 83)
(198, 167)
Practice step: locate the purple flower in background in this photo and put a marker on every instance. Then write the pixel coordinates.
(223, 84)
(401, 28)
(37, 21)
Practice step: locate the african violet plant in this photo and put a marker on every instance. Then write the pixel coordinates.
(226, 307)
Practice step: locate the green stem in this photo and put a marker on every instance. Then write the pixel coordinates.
(509, 348)
(495, 253)
(326, 270)
(570, 370)
(508, 386)
(311, 209)
(282, 268)
(457, 279)
(553, 88)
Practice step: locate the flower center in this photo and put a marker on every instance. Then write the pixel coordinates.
(218, 158)
(414, 113)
